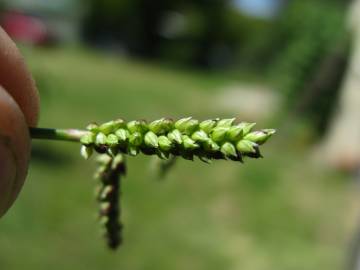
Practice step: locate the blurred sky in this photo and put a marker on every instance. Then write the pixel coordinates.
(259, 8)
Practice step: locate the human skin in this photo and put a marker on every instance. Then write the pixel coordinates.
(19, 109)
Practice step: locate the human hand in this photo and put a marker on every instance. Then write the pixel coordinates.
(19, 107)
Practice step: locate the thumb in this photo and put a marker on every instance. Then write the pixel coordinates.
(14, 150)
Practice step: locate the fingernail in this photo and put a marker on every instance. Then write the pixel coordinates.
(7, 175)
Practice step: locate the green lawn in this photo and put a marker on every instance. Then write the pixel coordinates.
(277, 213)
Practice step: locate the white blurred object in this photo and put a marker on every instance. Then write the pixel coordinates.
(250, 102)
(173, 25)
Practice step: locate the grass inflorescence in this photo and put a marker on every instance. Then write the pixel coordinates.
(186, 138)
(109, 173)
(168, 139)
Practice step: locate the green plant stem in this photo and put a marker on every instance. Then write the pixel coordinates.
(72, 135)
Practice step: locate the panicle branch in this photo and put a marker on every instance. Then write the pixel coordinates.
(109, 175)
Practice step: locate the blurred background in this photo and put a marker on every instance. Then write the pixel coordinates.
(288, 64)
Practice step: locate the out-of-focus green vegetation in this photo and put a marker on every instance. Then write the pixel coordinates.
(205, 34)
(281, 212)
(312, 45)
(303, 50)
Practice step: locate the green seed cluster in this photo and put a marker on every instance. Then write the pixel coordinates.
(109, 173)
(187, 137)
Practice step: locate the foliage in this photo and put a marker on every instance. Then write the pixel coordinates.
(312, 47)
(201, 33)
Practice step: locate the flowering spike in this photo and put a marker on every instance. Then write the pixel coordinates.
(109, 174)
(187, 137)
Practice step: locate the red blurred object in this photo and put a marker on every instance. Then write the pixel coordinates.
(25, 28)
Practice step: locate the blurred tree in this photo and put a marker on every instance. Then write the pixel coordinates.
(202, 33)
(212, 36)
(313, 48)
(132, 24)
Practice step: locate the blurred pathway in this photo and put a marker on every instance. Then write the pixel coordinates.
(341, 148)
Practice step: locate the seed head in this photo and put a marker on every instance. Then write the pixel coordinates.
(187, 137)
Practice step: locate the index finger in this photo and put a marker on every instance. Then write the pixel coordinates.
(16, 79)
